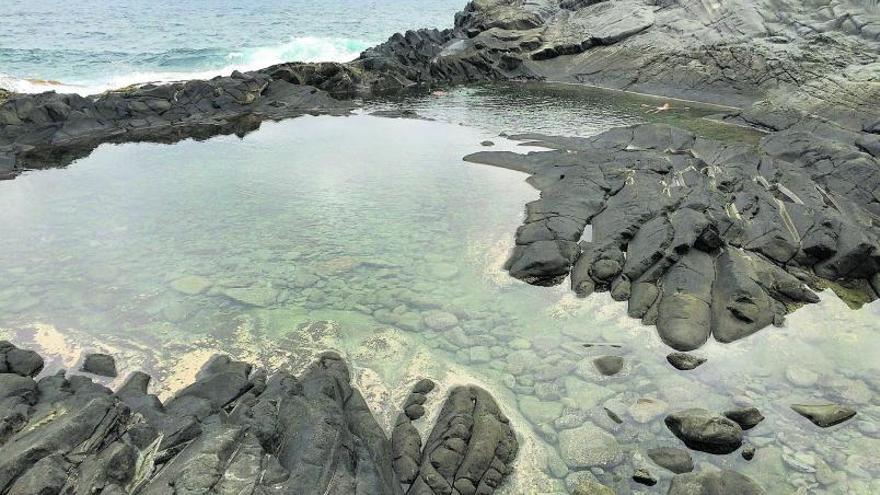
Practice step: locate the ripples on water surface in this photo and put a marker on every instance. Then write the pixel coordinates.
(372, 237)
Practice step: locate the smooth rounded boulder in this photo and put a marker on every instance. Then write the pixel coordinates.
(705, 430)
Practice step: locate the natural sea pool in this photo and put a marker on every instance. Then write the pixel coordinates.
(372, 237)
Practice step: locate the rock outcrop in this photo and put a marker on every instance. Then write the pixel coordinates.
(815, 60)
(49, 129)
(700, 238)
(237, 430)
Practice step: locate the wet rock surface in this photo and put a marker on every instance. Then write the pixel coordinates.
(99, 364)
(684, 361)
(747, 418)
(706, 431)
(701, 238)
(676, 460)
(239, 430)
(824, 415)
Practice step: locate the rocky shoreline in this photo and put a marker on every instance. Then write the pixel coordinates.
(789, 60)
(237, 429)
(700, 238)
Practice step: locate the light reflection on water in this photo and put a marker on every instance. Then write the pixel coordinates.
(564, 109)
(372, 237)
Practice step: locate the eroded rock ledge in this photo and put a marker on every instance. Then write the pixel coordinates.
(236, 430)
(701, 238)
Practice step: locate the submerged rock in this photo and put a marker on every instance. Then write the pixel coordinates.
(260, 297)
(747, 418)
(237, 430)
(644, 477)
(439, 320)
(585, 483)
(100, 364)
(824, 415)
(704, 430)
(714, 483)
(676, 460)
(684, 361)
(608, 365)
(191, 285)
(589, 446)
(748, 452)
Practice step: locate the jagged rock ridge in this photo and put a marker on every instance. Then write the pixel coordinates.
(234, 430)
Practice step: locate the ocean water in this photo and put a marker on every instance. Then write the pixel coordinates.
(89, 46)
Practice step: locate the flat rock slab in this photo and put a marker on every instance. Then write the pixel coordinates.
(824, 415)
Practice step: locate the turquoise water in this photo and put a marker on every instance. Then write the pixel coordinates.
(93, 45)
(370, 236)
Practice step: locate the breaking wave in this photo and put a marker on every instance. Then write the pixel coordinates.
(187, 64)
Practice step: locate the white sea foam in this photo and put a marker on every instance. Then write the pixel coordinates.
(301, 49)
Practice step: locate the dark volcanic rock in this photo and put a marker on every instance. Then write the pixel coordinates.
(644, 477)
(704, 430)
(748, 452)
(470, 449)
(676, 460)
(49, 129)
(100, 364)
(684, 361)
(824, 415)
(704, 239)
(236, 430)
(19, 361)
(747, 418)
(714, 483)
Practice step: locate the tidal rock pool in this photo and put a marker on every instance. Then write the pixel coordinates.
(371, 237)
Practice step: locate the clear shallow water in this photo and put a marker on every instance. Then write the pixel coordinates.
(371, 236)
(93, 45)
(563, 109)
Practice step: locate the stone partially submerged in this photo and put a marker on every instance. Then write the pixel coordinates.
(701, 238)
(237, 430)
